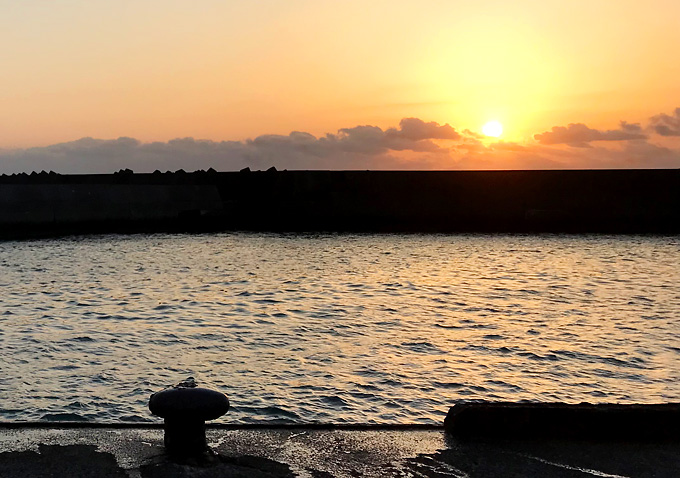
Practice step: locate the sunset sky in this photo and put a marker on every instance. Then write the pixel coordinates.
(95, 86)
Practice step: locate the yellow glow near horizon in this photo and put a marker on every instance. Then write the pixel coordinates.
(157, 70)
(492, 128)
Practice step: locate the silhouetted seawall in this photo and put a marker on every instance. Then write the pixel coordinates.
(85, 207)
(601, 201)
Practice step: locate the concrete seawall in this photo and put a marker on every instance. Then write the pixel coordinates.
(615, 201)
(456, 201)
(45, 204)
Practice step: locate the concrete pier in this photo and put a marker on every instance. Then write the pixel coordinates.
(54, 450)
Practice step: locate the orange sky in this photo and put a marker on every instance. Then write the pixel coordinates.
(224, 70)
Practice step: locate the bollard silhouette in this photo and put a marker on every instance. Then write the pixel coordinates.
(185, 408)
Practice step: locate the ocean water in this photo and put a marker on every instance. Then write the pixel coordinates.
(335, 328)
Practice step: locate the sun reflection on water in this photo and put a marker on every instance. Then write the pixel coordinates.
(339, 328)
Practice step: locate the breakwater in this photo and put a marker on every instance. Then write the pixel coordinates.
(608, 201)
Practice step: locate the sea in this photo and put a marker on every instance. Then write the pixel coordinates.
(335, 328)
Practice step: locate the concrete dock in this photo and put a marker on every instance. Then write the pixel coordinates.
(54, 450)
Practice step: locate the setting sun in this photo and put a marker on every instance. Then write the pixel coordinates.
(493, 128)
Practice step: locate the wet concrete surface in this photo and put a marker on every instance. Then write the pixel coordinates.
(323, 453)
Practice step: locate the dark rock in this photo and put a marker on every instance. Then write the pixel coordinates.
(505, 420)
(245, 170)
(272, 169)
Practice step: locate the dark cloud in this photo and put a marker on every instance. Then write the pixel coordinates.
(579, 135)
(666, 125)
(88, 155)
(631, 127)
(415, 129)
(360, 147)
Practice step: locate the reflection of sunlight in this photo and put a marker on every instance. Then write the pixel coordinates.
(383, 328)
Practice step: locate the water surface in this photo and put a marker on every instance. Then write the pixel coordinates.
(336, 328)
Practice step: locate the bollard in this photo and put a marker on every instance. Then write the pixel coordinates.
(185, 408)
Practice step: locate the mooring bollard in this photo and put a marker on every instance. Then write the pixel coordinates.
(185, 408)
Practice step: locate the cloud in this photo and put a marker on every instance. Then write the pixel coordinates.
(508, 146)
(415, 129)
(641, 154)
(579, 135)
(666, 125)
(473, 134)
(359, 147)
(414, 144)
(631, 127)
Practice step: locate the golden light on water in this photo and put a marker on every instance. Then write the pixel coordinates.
(492, 128)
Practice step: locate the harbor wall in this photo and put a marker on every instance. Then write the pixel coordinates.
(84, 207)
(457, 201)
(599, 201)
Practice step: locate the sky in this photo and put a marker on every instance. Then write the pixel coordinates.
(95, 86)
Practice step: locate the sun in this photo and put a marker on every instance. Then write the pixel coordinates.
(493, 128)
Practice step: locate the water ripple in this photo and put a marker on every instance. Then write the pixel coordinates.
(335, 328)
